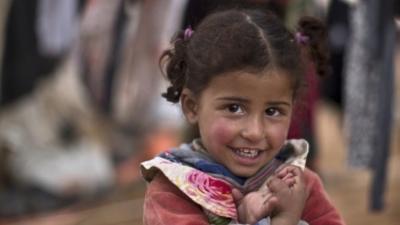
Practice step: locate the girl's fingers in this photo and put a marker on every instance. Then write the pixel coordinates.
(270, 204)
(290, 172)
(295, 170)
(275, 185)
(290, 181)
(284, 171)
(288, 169)
(267, 197)
(287, 176)
(237, 195)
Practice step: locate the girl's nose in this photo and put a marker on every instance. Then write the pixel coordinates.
(253, 129)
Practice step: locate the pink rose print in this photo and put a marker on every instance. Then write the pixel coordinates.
(214, 190)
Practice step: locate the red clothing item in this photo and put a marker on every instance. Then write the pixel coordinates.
(165, 204)
(304, 110)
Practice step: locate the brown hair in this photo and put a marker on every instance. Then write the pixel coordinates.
(248, 40)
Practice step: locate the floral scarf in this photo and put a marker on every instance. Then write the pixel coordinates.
(209, 184)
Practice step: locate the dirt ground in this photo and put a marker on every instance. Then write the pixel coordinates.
(348, 187)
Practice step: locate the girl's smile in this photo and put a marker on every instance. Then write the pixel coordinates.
(247, 156)
(243, 118)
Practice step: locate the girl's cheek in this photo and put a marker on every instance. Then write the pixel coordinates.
(278, 134)
(222, 131)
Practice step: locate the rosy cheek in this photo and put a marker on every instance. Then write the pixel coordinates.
(279, 134)
(222, 131)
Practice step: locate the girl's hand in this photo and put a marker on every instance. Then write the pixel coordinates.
(254, 206)
(290, 191)
(286, 175)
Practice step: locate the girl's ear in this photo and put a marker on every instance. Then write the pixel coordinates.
(189, 106)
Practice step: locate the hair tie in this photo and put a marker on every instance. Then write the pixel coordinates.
(187, 33)
(300, 38)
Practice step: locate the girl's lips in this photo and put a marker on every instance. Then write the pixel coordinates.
(247, 152)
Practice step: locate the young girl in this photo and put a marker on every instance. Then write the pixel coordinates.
(237, 77)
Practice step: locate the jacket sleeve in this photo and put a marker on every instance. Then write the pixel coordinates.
(318, 209)
(165, 204)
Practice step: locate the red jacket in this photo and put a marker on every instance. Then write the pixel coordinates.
(165, 204)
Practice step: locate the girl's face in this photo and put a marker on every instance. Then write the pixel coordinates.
(243, 118)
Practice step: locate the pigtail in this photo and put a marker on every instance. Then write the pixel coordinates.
(312, 33)
(173, 65)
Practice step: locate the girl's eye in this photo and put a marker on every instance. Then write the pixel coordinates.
(234, 108)
(272, 112)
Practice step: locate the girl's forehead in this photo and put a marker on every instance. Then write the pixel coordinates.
(242, 79)
(269, 83)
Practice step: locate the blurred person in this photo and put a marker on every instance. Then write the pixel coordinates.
(120, 61)
(57, 144)
(41, 101)
(108, 41)
(131, 79)
(38, 35)
(56, 147)
(237, 77)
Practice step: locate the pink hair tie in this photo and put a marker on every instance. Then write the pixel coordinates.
(300, 38)
(187, 33)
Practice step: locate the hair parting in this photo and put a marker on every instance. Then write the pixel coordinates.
(247, 40)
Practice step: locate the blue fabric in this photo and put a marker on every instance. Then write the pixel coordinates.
(204, 165)
(187, 154)
(211, 167)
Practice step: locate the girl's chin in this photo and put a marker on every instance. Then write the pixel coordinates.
(244, 167)
(244, 172)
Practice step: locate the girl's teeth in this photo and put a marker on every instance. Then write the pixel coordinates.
(249, 153)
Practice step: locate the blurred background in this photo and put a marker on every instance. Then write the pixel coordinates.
(80, 105)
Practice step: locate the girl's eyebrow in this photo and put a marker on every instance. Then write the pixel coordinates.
(245, 100)
(233, 99)
(275, 103)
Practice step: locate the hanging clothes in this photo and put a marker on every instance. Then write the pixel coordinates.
(38, 33)
(369, 90)
(22, 63)
(56, 25)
